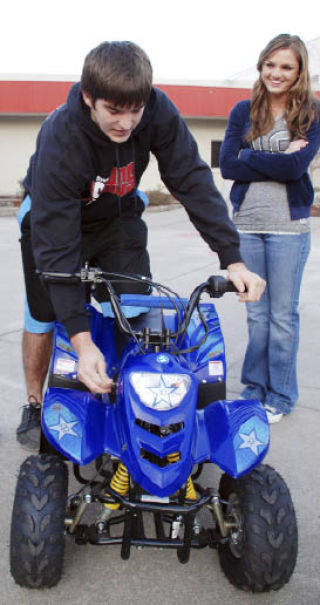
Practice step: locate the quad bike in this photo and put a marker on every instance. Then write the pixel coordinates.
(147, 442)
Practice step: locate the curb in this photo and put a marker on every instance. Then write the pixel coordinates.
(11, 209)
(8, 210)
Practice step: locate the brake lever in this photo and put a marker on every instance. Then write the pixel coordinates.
(90, 274)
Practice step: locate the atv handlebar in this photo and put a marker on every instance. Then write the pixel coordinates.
(216, 286)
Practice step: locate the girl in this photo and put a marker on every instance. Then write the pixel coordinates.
(269, 144)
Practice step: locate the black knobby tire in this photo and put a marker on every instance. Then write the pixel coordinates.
(261, 554)
(37, 526)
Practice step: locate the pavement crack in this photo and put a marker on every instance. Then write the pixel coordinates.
(3, 334)
(188, 273)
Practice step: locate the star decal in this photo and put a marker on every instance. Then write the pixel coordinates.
(250, 441)
(64, 428)
(162, 393)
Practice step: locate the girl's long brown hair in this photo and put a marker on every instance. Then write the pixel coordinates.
(302, 105)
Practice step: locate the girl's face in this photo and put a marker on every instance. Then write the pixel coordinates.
(280, 71)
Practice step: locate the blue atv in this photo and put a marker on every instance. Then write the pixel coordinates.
(145, 445)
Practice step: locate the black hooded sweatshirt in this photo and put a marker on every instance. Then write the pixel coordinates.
(79, 176)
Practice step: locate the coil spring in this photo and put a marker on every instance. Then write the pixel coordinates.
(174, 457)
(120, 484)
(190, 491)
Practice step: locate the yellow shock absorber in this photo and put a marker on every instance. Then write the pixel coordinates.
(190, 491)
(174, 457)
(120, 484)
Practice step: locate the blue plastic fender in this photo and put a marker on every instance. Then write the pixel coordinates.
(232, 434)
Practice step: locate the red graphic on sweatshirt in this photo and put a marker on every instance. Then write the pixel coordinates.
(120, 182)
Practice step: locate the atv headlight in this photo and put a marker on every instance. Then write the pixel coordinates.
(160, 391)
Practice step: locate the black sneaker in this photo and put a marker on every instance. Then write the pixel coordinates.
(28, 432)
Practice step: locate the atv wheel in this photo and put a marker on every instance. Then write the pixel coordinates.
(261, 551)
(37, 526)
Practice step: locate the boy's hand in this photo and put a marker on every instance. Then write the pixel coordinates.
(91, 364)
(250, 285)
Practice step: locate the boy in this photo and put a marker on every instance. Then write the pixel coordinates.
(82, 180)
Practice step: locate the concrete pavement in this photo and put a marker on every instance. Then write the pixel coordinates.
(180, 259)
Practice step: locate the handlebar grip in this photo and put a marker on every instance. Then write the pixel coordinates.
(217, 286)
(231, 287)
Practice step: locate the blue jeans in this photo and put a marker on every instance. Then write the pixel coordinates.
(269, 369)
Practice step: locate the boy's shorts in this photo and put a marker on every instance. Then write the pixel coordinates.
(119, 246)
(37, 302)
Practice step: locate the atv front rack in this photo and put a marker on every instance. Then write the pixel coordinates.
(163, 513)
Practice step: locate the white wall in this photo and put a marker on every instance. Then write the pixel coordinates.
(204, 131)
(17, 144)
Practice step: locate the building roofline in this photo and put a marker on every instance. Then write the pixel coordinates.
(40, 97)
(226, 82)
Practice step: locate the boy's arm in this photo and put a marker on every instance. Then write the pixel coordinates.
(91, 364)
(55, 185)
(189, 179)
(57, 245)
(56, 241)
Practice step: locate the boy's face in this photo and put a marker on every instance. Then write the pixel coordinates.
(117, 123)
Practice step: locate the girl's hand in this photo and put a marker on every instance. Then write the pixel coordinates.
(296, 145)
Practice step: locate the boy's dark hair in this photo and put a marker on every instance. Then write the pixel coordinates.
(120, 72)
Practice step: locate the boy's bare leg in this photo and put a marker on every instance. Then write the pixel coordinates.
(36, 354)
